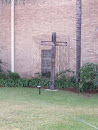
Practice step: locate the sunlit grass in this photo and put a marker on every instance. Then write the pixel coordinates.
(24, 109)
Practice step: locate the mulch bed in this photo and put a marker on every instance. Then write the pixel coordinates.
(74, 90)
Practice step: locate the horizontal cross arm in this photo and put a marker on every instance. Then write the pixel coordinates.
(47, 43)
(61, 43)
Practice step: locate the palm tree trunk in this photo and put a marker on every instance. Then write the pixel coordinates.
(78, 38)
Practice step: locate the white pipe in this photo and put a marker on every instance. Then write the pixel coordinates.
(12, 35)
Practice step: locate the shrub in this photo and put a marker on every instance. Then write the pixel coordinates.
(45, 82)
(87, 76)
(96, 77)
(10, 83)
(12, 75)
(64, 74)
(41, 79)
(3, 76)
(63, 81)
(2, 82)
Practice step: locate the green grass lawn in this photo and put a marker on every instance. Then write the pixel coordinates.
(24, 109)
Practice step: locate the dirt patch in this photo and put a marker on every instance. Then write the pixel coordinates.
(75, 90)
(2, 86)
(88, 93)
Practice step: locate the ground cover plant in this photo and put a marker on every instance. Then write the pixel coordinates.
(24, 109)
(65, 79)
(88, 77)
(61, 80)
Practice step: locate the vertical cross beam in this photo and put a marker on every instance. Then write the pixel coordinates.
(53, 55)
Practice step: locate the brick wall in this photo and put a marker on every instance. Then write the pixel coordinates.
(5, 34)
(35, 21)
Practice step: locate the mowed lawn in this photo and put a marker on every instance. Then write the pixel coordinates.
(24, 109)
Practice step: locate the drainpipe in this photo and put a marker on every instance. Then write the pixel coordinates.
(12, 35)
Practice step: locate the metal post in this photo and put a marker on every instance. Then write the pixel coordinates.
(12, 35)
(39, 87)
(39, 91)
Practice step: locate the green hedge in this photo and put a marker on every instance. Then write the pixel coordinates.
(88, 76)
(61, 80)
(60, 84)
(24, 82)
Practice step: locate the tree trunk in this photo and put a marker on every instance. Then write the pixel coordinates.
(78, 38)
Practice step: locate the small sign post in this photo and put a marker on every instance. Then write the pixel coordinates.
(53, 43)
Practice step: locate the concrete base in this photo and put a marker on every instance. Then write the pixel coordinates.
(52, 90)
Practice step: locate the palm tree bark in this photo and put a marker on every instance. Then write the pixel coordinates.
(78, 37)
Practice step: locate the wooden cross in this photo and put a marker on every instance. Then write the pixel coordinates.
(53, 43)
